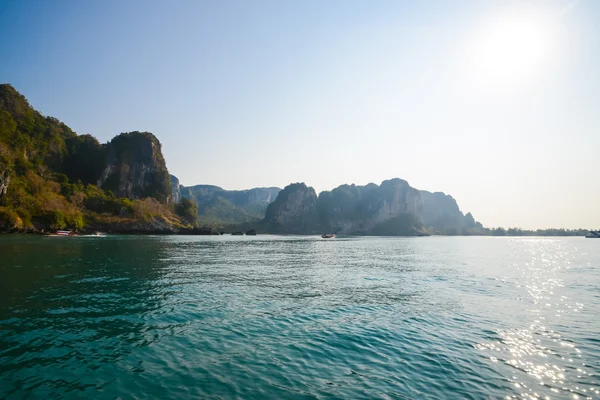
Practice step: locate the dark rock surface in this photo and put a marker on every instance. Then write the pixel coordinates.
(135, 168)
(293, 211)
(392, 208)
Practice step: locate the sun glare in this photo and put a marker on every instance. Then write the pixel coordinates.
(510, 49)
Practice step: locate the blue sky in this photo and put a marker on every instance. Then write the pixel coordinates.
(493, 102)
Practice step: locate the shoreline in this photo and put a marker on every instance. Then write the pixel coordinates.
(205, 233)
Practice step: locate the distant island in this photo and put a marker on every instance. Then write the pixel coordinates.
(52, 178)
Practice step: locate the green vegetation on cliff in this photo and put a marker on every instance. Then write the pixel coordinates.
(188, 211)
(49, 177)
(220, 208)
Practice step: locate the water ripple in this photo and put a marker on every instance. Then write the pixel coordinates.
(299, 317)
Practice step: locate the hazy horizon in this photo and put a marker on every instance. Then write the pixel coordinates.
(492, 102)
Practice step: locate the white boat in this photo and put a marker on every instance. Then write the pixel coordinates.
(593, 235)
(63, 233)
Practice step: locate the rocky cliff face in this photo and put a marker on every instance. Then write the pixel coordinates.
(441, 212)
(440, 209)
(175, 189)
(397, 197)
(392, 208)
(293, 211)
(135, 168)
(350, 209)
(48, 175)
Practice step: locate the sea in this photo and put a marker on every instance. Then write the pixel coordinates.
(299, 317)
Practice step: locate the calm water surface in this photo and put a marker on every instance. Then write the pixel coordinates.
(136, 317)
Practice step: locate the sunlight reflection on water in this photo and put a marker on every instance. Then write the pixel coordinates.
(537, 350)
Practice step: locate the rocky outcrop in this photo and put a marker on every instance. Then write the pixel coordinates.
(135, 168)
(392, 208)
(294, 211)
(470, 222)
(175, 189)
(350, 209)
(442, 214)
(440, 210)
(49, 173)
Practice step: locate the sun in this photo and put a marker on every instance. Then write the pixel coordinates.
(510, 48)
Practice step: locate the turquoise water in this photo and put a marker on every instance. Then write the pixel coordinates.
(137, 317)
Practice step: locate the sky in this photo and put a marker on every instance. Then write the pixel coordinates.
(493, 102)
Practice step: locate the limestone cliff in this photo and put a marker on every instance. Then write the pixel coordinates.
(350, 209)
(441, 212)
(392, 208)
(135, 168)
(175, 189)
(48, 177)
(293, 211)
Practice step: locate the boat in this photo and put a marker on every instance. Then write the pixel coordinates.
(328, 235)
(593, 235)
(63, 233)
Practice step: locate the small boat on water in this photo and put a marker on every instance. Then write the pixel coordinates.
(593, 235)
(328, 235)
(63, 233)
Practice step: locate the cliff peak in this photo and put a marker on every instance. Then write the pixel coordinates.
(294, 210)
(135, 167)
(13, 101)
(394, 181)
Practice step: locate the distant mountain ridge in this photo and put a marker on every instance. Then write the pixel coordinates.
(221, 207)
(392, 208)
